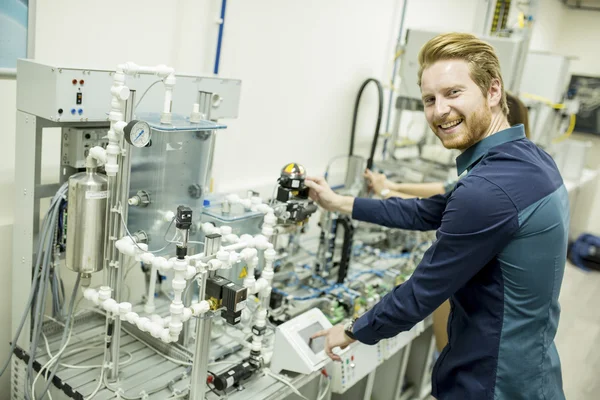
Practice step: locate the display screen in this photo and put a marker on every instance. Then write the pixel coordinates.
(317, 344)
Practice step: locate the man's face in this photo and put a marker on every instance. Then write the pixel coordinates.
(456, 110)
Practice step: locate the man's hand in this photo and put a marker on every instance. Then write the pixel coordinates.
(334, 337)
(377, 181)
(327, 198)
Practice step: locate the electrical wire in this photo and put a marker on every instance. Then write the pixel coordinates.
(173, 360)
(544, 100)
(322, 395)
(223, 363)
(149, 251)
(144, 394)
(282, 379)
(179, 396)
(100, 382)
(144, 94)
(569, 131)
(99, 365)
(272, 199)
(51, 361)
(64, 338)
(41, 273)
(102, 375)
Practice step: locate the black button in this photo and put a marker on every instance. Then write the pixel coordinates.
(60, 110)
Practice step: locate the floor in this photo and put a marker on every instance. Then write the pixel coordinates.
(579, 333)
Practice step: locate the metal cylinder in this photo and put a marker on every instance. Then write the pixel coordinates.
(86, 220)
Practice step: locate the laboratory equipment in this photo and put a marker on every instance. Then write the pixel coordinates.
(87, 214)
(294, 193)
(294, 350)
(220, 270)
(357, 361)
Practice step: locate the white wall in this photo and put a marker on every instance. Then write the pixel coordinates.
(301, 65)
(548, 26)
(576, 27)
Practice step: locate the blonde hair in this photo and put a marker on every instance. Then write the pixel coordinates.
(483, 62)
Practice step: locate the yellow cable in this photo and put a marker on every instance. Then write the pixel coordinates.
(569, 131)
(557, 106)
(398, 54)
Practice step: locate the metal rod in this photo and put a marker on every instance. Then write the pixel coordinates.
(203, 327)
(119, 230)
(200, 364)
(396, 60)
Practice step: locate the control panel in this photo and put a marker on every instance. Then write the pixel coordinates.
(77, 142)
(294, 350)
(74, 94)
(358, 360)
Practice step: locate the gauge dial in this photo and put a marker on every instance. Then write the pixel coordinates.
(137, 133)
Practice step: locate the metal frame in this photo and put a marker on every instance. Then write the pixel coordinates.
(28, 193)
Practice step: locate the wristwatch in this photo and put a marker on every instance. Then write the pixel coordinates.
(384, 192)
(348, 327)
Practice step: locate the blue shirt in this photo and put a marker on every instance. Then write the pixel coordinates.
(499, 255)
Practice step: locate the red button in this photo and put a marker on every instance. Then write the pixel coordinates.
(352, 358)
(74, 81)
(81, 82)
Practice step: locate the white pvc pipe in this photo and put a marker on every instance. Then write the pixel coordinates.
(149, 308)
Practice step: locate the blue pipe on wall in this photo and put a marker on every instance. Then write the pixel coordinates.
(220, 39)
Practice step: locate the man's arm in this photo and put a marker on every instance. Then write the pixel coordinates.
(378, 183)
(418, 189)
(412, 214)
(478, 222)
(395, 212)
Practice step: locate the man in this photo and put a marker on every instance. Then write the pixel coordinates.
(379, 184)
(501, 239)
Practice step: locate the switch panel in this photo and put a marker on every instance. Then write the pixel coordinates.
(358, 360)
(45, 90)
(77, 142)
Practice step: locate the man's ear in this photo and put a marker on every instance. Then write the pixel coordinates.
(495, 93)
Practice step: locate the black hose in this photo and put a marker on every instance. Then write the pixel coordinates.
(346, 247)
(379, 117)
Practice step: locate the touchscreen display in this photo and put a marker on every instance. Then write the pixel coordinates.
(317, 344)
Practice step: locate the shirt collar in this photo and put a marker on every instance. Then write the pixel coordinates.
(473, 154)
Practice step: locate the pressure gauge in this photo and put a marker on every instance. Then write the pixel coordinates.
(137, 133)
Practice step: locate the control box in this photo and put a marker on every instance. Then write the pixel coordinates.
(77, 142)
(294, 350)
(77, 94)
(358, 360)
